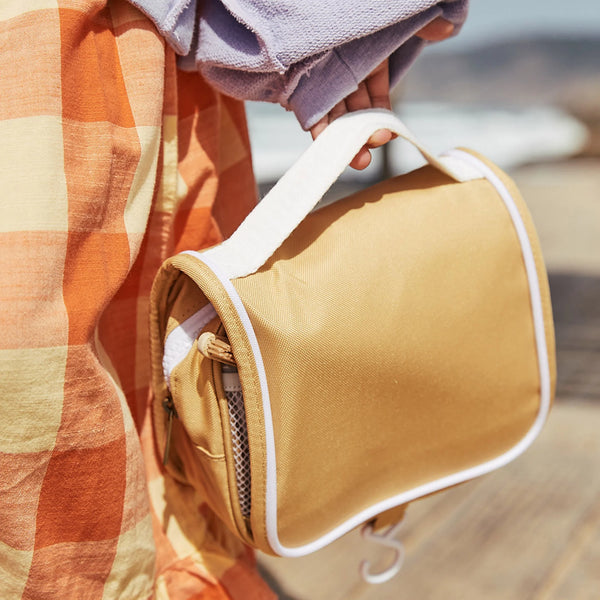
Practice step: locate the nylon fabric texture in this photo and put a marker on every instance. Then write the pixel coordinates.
(111, 161)
(410, 303)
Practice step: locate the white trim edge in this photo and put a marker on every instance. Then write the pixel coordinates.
(180, 341)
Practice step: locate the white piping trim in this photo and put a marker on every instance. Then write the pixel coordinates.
(434, 486)
(271, 477)
(180, 341)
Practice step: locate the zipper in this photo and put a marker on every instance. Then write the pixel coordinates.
(169, 407)
(218, 349)
(239, 437)
(214, 348)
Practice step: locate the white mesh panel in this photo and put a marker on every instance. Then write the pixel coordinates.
(239, 439)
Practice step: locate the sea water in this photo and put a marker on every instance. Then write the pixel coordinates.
(509, 136)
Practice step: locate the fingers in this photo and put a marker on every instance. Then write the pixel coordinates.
(337, 111)
(317, 129)
(359, 99)
(439, 29)
(374, 92)
(362, 160)
(380, 138)
(378, 86)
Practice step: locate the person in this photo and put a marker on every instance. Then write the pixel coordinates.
(113, 160)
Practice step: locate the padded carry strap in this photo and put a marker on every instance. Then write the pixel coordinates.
(305, 183)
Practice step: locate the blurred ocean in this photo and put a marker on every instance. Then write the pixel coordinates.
(502, 87)
(508, 136)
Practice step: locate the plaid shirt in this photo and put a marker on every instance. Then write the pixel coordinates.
(111, 161)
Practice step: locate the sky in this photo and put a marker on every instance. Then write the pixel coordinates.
(491, 20)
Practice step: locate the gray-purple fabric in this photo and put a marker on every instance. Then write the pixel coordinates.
(307, 55)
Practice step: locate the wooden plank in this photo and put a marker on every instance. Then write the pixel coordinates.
(576, 575)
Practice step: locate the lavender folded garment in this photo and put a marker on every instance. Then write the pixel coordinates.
(307, 55)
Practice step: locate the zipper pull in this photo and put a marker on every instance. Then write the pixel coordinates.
(171, 413)
(216, 348)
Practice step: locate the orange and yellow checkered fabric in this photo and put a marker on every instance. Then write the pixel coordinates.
(111, 161)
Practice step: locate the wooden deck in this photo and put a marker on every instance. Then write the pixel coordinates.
(530, 531)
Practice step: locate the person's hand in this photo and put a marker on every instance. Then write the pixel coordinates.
(374, 92)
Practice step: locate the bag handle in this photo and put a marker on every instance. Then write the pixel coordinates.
(304, 184)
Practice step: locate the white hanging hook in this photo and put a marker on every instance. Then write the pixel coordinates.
(388, 540)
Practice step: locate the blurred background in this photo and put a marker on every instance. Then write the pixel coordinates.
(520, 84)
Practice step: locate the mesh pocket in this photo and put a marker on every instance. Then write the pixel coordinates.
(239, 439)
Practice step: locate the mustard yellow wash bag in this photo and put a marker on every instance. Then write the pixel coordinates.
(354, 358)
